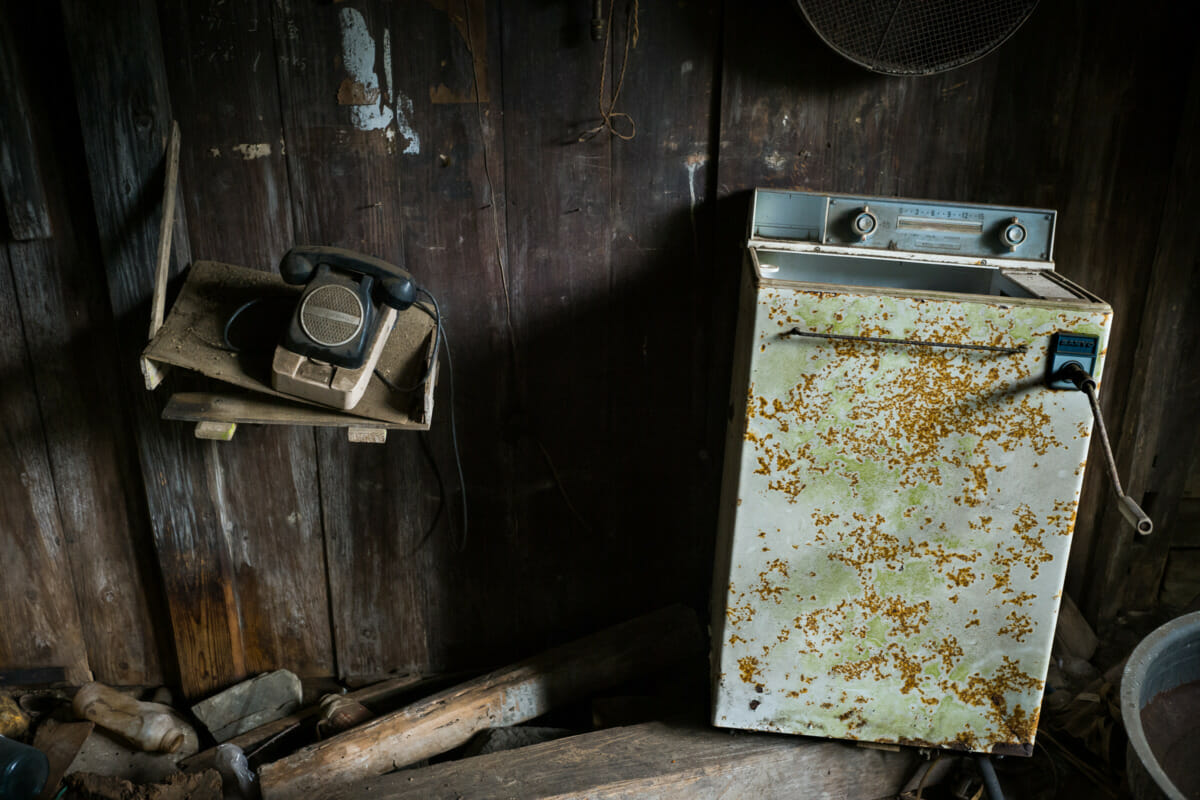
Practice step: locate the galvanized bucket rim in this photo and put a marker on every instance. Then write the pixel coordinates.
(1134, 691)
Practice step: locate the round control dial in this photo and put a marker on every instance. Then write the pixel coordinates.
(865, 223)
(1013, 234)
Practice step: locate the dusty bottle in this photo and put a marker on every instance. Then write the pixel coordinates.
(23, 770)
(151, 726)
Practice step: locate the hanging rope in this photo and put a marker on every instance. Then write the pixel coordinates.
(608, 114)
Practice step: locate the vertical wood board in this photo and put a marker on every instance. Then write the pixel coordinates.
(220, 66)
(37, 592)
(72, 341)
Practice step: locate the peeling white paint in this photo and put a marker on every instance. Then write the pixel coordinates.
(686, 67)
(215, 152)
(404, 106)
(358, 57)
(251, 151)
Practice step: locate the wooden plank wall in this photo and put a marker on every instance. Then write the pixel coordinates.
(587, 289)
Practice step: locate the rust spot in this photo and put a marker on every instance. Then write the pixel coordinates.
(748, 669)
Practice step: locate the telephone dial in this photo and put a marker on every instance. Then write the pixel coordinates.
(339, 328)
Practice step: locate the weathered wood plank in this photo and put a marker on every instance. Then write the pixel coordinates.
(220, 67)
(1159, 437)
(72, 342)
(254, 409)
(37, 591)
(559, 199)
(349, 131)
(222, 73)
(508, 696)
(656, 760)
(368, 695)
(20, 172)
(662, 262)
(116, 61)
(454, 216)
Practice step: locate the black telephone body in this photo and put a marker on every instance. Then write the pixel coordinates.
(338, 330)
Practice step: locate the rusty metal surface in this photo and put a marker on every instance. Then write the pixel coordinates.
(896, 530)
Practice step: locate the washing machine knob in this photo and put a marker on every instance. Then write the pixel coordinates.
(1013, 234)
(865, 223)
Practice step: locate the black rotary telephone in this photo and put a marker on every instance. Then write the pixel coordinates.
(340, 310)
(339, 328)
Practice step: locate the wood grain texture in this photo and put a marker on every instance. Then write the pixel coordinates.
(72, 341)
(20, 171)
(1159, 436)
(452, 198)
(248, 741)
(345, 164)
(220, 63)
(514, 694)
(656, 760)
(37, 592)
(558, 193)
(657, 361)
(124, 112)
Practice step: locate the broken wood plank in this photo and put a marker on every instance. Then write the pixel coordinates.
(655, 760)
(363, 435)
(60, 742)
(247, 741)
(507, 696)
(1072, 633)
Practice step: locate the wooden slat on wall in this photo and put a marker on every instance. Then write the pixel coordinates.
(220, 68)
(68, 326)
(559, 193)
(345, 163)
(1159, 438)
(664, 460)
(1088, 110)
(116, 61)
(452, 197)
(37, 592)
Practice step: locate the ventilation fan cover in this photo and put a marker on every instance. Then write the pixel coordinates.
(915, 37)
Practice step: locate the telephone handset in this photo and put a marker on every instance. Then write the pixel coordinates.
(341, 323)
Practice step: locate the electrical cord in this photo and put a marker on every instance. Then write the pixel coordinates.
(230, 346)
(441, 343)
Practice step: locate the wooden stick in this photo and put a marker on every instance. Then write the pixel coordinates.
(374, 693)
(152, 371)
(507, 696)
(165, 229)
(655, 759)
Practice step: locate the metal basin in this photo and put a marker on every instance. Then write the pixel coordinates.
(1160, 705)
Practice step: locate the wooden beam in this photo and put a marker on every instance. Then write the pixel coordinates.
(507, 696)
(655, 760)
(374, 693)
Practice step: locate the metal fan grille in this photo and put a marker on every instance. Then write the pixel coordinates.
(915, 37)
(331, 315)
